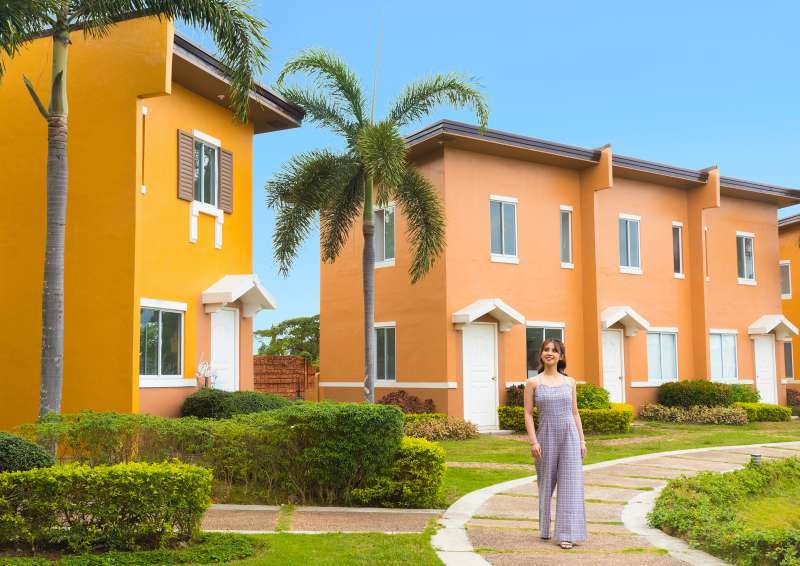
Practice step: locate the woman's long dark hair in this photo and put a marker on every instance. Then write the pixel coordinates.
(561, 365)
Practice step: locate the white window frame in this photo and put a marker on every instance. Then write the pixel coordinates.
(673, 331)
(725, 332)
(568, 209)
(388, 262)
(682, 273)
(788, 264)
(378, 326)
(210, 141)
(745, 280)
(628, 268)
(791, 358)
(545, 325)
(503, 257)
(161, 380)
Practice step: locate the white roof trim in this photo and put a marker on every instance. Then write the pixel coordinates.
(625, 315)
(776, 323)
(504, 314)
(244, 288)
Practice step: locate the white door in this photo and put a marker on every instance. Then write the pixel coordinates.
(613, 366)
(764, 345)
(480, 375)
(225, 348)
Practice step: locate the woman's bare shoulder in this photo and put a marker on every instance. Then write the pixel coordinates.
(571, 380)
(532, 382)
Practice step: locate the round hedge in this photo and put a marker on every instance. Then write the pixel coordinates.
(218, 404)
(19, 455)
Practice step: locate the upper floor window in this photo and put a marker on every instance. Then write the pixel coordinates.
(745, 258)
(788, 359)
(566, 236)
(384, 236)
(385, 351)
(724, 366)
(629, 260)
(535, 335)
(503, 222)
(677, 249)
(206, 164)
(786, 279)
(662, 355)
(160, 341)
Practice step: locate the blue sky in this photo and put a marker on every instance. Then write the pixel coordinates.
(687, 83)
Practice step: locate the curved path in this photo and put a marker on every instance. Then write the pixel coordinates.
(499, 524)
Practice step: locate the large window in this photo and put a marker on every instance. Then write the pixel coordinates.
(385, 338)
(723, 356)
(384, 235)
(786, 279)
(503, 221)
(677, 249)
(160, 343)
(629, 260)
(745, 261)
(535, 337)
(566, 236)
(662, 356)
(788, 359)
(206, 163)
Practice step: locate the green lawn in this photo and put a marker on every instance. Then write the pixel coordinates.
(775, 509)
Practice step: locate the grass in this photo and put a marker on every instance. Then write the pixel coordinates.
(460, 481)
(776, 509)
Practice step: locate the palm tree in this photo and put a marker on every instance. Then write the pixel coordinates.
(372, 170)
(242, 44)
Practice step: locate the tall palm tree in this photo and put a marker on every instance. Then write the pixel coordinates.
(240, 39)
(373, 170)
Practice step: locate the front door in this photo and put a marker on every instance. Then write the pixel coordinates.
(764, 345)
(480, 375)
(613, 366)
(225, 348)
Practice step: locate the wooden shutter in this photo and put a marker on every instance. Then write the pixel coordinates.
(185, 166)
(226, 180)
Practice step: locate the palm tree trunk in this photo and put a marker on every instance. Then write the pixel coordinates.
(52, 362)
(368, 267)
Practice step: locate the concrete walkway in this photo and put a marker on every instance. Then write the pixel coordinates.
(499, 524)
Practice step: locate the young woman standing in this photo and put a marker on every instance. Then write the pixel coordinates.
(559, 447)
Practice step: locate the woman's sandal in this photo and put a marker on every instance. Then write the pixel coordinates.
(565, 545)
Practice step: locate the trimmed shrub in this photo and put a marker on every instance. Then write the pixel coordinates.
(218, 404)
(414, 481)
(697, 392)
(741, 393)
(618, 418)
(409, 418)
(408, 403)
(696, 414)
(127, 506)
(450, 428)
(591, 396)
(766, 412)
(204, 403)
(18, 454)
(515, 395)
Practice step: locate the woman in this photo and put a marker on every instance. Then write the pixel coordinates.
(558, 456)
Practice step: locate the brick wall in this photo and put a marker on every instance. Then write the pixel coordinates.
(288, 376)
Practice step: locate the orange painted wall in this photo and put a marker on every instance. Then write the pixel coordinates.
(789, 241)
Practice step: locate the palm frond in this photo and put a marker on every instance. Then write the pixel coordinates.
(21, 21)
(421, 97)
(329, 73)
(308, 179)
(425, 218)
(293, 222)
(237, 34)
(336, 220)
(382, 151)
(320, 110)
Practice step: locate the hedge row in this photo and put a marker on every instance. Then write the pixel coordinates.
(587, 395)
(696, 414)
(702, 510)
(701, 392)
(218, 404)
(595, 421)
(766, 412)
(127, 506)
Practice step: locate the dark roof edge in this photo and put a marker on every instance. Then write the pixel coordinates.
(444, 127)
(789, 221)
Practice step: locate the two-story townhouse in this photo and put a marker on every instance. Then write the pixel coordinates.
(648, 272)
(789, 263)
(158, 259)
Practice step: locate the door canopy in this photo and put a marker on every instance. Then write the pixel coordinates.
(244, 288)
(773, 323)
(504, 314)
(631, 320)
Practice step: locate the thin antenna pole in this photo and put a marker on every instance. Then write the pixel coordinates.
(377, 64)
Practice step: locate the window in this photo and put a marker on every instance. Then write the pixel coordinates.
(534, 337)
(744, 258)
(566, 236)
(662, 356)
(677, 249)
(160, 343)
(786, 279)
(384, 235)
(723, 357)
(206, 163)
(788, 359)
(629, 244)
(503, 221)
(385, 338)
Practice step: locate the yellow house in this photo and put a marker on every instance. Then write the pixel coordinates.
(158, 261)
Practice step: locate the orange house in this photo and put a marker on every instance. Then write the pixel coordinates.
(649, 273)
(789, 234)
(158, 260)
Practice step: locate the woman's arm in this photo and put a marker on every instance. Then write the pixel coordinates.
(577, 416)
(530, 390)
